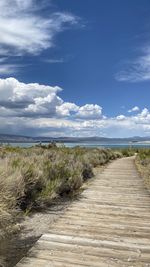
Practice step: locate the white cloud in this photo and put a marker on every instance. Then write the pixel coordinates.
(23, 30)
(144, 113)
(134, 109)
(89, 111)
(111, 127)
(66, 109)
(13, 90)
(29, 99)
(120, 117)
(136, 70)
(27, 32)
(24, 4)
(38, 110)
(33, 99)
(7, 69)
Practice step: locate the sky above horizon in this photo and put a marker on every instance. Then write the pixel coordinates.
(75, 68)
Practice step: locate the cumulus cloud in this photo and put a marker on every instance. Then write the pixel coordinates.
(144, 113)
(66, 109)
(110, 127)
(38, 109)
(34, 100)
(89, 111)
(29, 99)
(120, 118)
(134, 109)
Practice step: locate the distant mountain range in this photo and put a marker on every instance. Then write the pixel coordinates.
(8, 138)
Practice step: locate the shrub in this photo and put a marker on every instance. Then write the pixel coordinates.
(35, 176)
(143, 165)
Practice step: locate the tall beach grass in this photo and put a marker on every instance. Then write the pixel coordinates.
(143, 165)
(34, 177)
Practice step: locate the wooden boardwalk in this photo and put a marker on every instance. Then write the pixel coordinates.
(108, 226)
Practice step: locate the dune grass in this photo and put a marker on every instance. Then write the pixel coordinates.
(34, 177)
(143, 165)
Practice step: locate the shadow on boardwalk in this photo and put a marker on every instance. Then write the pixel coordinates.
(108, 226)
(14, 249)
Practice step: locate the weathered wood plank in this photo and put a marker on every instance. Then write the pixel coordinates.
(109, 226)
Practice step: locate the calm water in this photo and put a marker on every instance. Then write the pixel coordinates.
(90, 144)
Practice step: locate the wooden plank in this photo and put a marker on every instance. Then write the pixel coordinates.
(108, 226)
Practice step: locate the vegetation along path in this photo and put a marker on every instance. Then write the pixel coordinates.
(108, 226)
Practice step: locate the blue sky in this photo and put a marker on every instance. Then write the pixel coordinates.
(75, 68)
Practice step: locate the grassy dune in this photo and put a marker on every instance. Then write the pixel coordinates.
(33, 177)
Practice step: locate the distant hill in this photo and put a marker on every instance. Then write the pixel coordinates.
(15, 138)
(20, 138)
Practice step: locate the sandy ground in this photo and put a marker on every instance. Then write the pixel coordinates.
(32, 227)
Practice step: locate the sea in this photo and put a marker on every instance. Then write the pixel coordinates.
(88, 144)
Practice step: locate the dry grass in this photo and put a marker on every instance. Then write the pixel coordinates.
(33, 177)
(143, 165)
